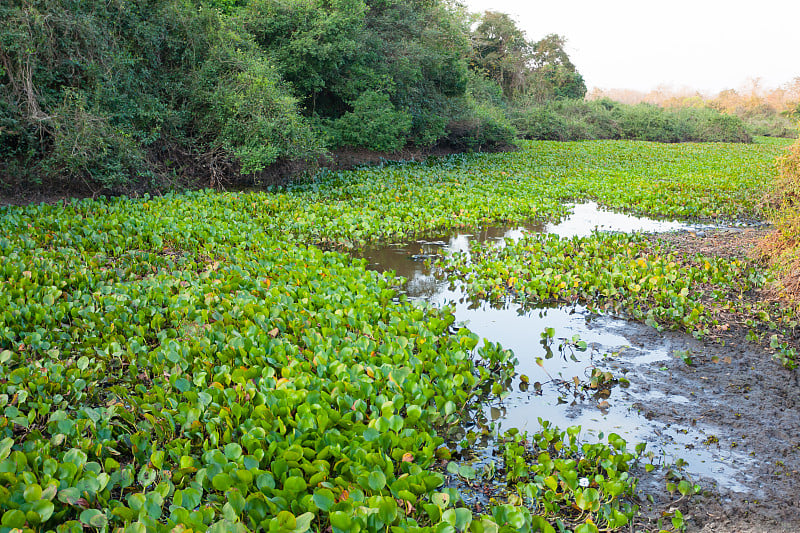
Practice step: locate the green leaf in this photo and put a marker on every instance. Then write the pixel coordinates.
(5, 447)
(157, 459)
(233, 451)
(32, 493)
(13, 519)
(303, 522)
(286, 520)
(44, 508)
(70, 495)
(371, 434)
(377, 480)
(295, 484)
(222, 482)
(466, 471)
(587, 527)
(324, 499)
(94, 518)
(441, 499)
(340, 520)
(463, 518)
(137, 501)
(539, 523)
(236, 500)
(136, 527)
(187, 498)
(146, 476)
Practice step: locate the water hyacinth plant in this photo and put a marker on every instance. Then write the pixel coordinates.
(210, 361)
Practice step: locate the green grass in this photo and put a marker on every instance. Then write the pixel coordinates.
(196, 359)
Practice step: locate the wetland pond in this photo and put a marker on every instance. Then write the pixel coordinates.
(604, 373)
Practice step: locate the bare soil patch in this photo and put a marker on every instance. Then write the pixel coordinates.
(730, 243)
(746, 403)
(742, 399)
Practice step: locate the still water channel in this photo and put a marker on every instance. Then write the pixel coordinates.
(555, 389)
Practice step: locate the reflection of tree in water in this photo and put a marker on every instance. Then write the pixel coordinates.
(423, 287)
(412, 260)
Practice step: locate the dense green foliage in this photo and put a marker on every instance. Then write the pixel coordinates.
(188, 360)
(112, 93)
(115, 95)
(619, 273)
(119, 96)
(365, 67)
(571, 120)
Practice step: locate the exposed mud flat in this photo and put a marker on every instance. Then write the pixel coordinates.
(727, 413)
(739, 243)
(747, 405)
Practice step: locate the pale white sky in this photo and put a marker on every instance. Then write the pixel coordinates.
(707, 45)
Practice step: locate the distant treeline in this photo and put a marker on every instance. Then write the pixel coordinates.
(117, 95)
(570, 120)
(773, 112)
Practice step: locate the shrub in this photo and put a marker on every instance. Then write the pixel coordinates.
(105, 93)
(481, 126)
(782, 246)
(87, 147)
(249, 115)
(568, 120)
(374, 123)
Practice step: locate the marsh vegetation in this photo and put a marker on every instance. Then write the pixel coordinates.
(221, 360)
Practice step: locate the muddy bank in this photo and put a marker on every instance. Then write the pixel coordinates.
(728, 417)
(730, 243)
(197, 175)
(747, 406)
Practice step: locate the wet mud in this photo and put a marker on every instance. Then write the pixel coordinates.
(746, 407)
(720, 413)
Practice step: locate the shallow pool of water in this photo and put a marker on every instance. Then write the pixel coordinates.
(559, 386)
(588, 217)
(554, 376)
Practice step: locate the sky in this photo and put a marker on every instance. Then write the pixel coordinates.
(707, 45)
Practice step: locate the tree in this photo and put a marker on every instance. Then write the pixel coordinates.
(406, 57)
(501, 52)
(553, 75)
(541, 70)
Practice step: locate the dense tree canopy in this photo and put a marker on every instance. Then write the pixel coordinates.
(501, 51)
(554, 76)
(401, 62)
(108, 93)
(115, 95)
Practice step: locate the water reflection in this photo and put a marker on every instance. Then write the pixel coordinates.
(595, 385)
(559, 387)
(588, 217)
(411, 260)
